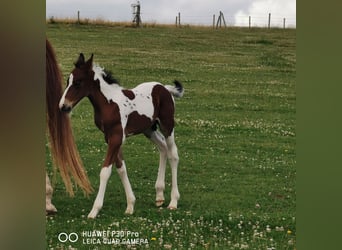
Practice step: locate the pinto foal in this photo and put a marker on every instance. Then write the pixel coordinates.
(120, 113)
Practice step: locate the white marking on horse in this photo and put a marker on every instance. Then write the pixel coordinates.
(62, 101)
(141, 103)
(98, 203)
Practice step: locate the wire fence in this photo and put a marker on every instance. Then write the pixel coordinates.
(263, 20)
(267, 20)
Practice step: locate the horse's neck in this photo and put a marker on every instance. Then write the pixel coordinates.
(96, 101)
(103, 94)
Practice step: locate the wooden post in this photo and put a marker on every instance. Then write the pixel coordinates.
(269, 20)
(176, 21)
(284, 22)
(78, 17)
(214, 21)
(249, 22)
(179, 24)
(219, 21)
(224, 21)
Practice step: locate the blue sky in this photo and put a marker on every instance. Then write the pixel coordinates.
(236, 12)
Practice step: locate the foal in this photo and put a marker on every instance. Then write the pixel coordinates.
(120, 113)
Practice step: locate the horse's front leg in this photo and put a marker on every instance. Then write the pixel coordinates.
(114, 155)
(98, 203)
(112, 151)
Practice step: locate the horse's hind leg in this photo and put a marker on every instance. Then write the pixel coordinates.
(50, 208)
(159, 140)
(172, 155)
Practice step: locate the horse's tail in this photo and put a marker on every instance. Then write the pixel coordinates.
(63, 148)
(177, 90)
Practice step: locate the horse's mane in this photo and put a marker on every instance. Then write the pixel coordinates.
(107, 75)
(109, 78)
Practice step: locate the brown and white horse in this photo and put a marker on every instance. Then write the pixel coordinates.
(62, 144)
(120, 113)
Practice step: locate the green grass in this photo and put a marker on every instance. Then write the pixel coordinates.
(235, 133)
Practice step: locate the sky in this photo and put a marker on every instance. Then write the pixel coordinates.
(236, 12)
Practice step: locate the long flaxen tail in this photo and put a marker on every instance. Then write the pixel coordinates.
(177, 90)
(63, 148)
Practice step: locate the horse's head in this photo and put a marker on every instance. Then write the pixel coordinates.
(79, 84)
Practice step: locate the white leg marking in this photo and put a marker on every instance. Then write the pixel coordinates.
(98, 203)
(157, 138)
(128, 189)
(173, 159)
(50, 208)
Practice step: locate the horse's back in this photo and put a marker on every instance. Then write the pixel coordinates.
(145, 87)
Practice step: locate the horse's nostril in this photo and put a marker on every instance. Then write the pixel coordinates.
(66, 108)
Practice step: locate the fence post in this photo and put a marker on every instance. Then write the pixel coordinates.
(269, 20)
(219, 21)
(214, 21)
(284, 22)
(78, 17)
(179, 19)
(249, 22)
(224, 21)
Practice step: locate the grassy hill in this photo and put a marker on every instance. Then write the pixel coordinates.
(235, 133)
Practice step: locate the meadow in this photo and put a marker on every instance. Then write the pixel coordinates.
(235, 132)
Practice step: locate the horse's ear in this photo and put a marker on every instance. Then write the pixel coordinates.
(80, 61)
(90, 61)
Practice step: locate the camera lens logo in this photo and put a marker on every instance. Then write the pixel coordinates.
(71, 237)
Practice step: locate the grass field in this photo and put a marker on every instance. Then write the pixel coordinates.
(235, 133)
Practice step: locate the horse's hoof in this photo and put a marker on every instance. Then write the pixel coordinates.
(129, 211)
(51, 212)
(50, 209)
(159, 203)
(92, 214)
(171, 208)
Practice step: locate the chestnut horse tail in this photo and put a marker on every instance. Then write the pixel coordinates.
(63, 148)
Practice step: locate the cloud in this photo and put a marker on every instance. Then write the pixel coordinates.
(192, 11)
(260, 9)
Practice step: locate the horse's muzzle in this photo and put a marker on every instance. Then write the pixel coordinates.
(66, 108)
